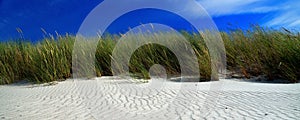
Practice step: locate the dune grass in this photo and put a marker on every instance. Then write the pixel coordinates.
(46, 61)
(257, 52)
(274, 54)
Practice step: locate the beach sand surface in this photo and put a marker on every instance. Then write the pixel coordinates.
(109, 98)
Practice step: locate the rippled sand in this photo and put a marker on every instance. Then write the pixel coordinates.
(115, 98)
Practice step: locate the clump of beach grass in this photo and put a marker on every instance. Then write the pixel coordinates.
(46, 61)
(257, 52)
(271, 53)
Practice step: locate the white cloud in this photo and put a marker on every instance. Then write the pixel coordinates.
(288, 17)
(230, 7)
(281, 13)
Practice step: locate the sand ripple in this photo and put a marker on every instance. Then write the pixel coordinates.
(106, 99)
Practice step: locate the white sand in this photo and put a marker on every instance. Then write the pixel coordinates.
(106, 99)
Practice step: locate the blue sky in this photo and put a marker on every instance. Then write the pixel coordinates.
(66, 16)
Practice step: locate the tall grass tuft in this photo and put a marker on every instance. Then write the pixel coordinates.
(274, 54)
(46, 61)
(257, 52)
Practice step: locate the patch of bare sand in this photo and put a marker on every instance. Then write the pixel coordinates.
(116, 98)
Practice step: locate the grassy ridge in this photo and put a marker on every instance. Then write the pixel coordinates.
(44, 62)
(275, 54)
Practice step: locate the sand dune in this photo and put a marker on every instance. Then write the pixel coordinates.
(116, 98)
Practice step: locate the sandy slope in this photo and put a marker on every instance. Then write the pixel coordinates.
(104, 98)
